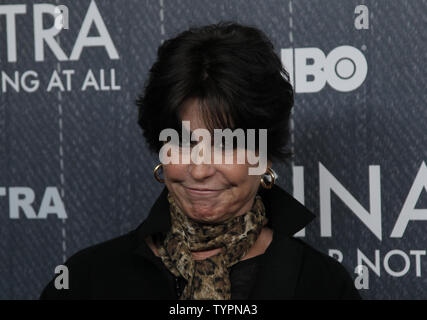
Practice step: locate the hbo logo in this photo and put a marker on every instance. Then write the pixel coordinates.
(344, 68)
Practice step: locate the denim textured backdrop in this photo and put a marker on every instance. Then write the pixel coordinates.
(84, 149)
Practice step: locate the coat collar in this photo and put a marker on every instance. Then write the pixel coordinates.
(286, 215)
(282, 261)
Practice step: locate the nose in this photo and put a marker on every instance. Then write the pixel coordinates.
(201, 171)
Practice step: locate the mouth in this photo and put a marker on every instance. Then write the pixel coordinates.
(203, 191)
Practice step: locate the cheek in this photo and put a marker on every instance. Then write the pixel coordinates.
(238, 175)
(175, 171)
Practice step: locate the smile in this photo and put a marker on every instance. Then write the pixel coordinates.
(202, 191)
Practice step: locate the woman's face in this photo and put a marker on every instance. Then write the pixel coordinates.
(210, 193)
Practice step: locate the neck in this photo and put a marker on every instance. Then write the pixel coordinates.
(202, 255)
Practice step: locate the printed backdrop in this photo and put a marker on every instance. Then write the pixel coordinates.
(75, 171)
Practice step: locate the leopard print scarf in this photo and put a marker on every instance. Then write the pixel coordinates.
(209, 278)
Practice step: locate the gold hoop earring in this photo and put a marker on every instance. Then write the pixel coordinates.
(269, 178)
(156, 173)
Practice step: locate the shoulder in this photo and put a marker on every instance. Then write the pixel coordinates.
(321, 276)
(87, 264)
(110, 251)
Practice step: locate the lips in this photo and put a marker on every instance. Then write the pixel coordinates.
(203, 189)
(194, 191)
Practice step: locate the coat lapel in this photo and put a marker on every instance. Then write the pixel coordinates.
(281, 263)
(279, 270)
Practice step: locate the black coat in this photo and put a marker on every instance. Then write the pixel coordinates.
(126, 268)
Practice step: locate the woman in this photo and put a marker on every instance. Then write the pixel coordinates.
(216, 231)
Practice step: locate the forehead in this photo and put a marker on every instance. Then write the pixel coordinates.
(190, 111)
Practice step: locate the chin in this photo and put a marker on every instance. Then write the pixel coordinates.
(205, 217)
